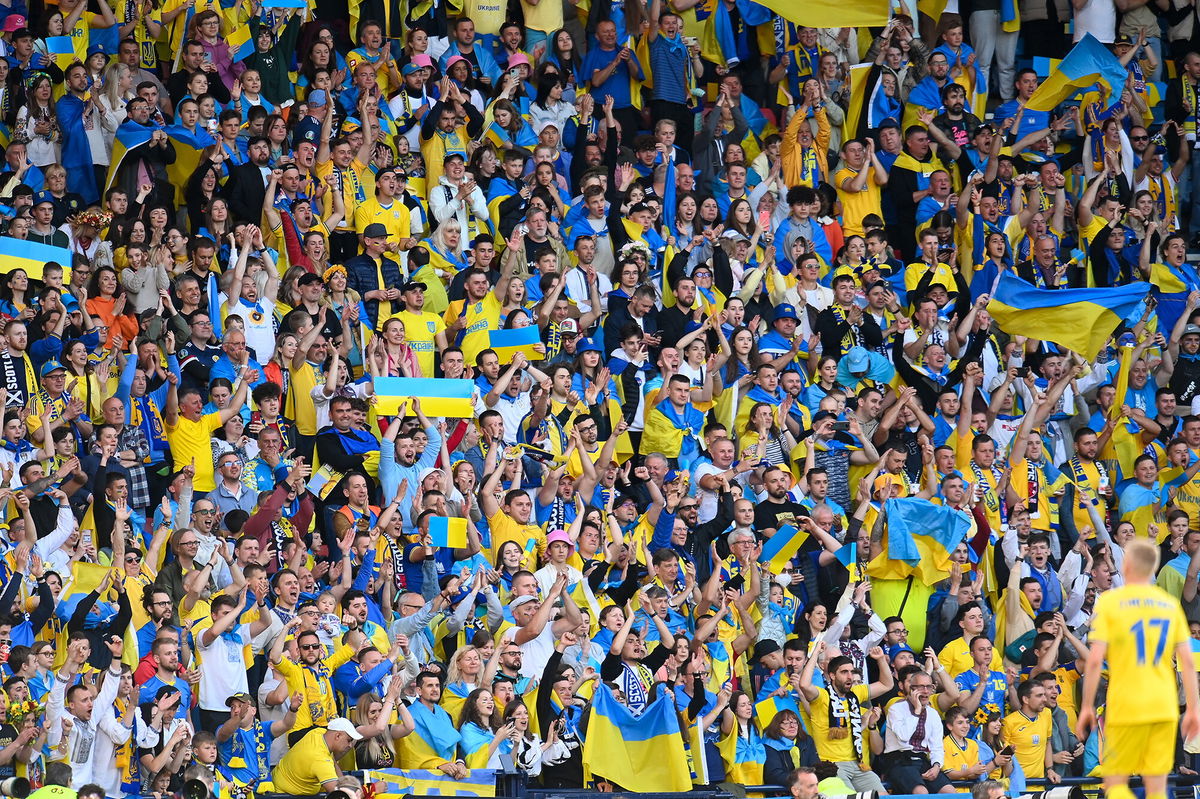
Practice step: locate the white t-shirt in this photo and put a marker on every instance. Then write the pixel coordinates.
(536, 652)
(708, 499)
(222, 669)
(1097, 17)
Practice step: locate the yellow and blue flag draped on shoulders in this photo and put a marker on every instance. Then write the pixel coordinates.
(642, 753)
(782, 547)
(831, 13)
(434, 739)
(507, 343)
(130, 136)
(189, 146)
(1078, 319)
(675, 434)
(30, 256)
(406, 782)
(919, 539)
(1088, 63)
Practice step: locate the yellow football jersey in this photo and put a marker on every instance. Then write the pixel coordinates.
(1142, 625)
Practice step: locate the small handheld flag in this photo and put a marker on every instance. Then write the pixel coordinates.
(507, 343)
(782, 547)
(446, 532)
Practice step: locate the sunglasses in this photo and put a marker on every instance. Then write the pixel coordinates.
(307, 647)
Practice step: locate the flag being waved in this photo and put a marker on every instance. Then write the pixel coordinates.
(1088, 63)
(1078, 319)
(642, 753)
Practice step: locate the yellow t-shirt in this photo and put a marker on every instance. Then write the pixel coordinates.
(958, 757)
(319, 705)
(481, 317)
(956, 657)
(192, 441)
(394, 216)
(306, 767)
(358, 186)
(837, 750)
(942, 276)
(545, 16)
(300, 406)
(1141, 625)
(857, 204)
(1029, 738)
(421, 330)
(504, 528)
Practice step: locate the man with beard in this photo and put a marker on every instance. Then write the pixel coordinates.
(247, 185)
(307, 671)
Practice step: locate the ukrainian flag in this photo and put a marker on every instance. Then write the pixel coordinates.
(920, 537)
(782, 547)
(407, 782)
(438, 396)
(130, 135)
(447, 532)
(642, 753)
(1172, 284)
(237, 36)
(507, 343)
(832, 13)
(189, 147)
(1078, 319)
(30, 256)
(1088, 63)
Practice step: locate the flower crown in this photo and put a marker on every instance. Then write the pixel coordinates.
(92, 217)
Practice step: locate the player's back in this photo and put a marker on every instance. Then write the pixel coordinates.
(1142, 625)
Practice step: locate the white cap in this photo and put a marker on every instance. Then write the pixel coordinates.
(345, 725)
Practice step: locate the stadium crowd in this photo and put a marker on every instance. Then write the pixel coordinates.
(765, 451)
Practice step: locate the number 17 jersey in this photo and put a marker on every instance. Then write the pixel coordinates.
(1142, 625)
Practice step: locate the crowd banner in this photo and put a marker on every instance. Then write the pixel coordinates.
(439, 396)
(831, 13)
(526, 340)
(409, 782)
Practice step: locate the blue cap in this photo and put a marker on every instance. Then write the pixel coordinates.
(786, 312)
(317, 98)
(857, 360)
(896, 649)
(587, 344)
(43, 197)
(51, 366)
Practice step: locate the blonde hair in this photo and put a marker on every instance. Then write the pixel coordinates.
(371, 749)
(1141, 559)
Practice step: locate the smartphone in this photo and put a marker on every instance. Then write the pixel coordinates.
(86, 536)
(1007, 751)
(515, 72)
(841, 427)
(1022, 371)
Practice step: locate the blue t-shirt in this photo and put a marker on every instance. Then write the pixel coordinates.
(993, 697)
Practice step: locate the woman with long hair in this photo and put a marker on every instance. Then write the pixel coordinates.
(371, 716)
(824, 381)
(341, 298)
(563, 54)
(523, 744)
(392, 355)
(772, 441)
(509, 129)
(741, 745)
(15, 295)
(548, 106)
(37, 122)
(509, 561)
(110, 102)
(447, 258)
(480, 726)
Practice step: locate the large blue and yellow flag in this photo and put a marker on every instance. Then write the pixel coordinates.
(1172, 285)
(1078, 319)
(642, 753)
(189, 147)
(407, 782)
(1088, 63)
(130, 136)
(438, 396)
(30, 256)
(919, 538)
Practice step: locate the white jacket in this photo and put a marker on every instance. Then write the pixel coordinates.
(445, 203)
(83, 743)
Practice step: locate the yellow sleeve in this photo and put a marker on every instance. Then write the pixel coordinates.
(962, 452)
(291, 675)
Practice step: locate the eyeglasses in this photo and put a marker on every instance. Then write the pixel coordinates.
(132, 558)
(1139, 138)
(689, 506)
(189, 543)
(900, 632)
(160, 603)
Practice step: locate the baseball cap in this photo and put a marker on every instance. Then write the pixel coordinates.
(1192, 330)
(345, 725)
(318, 97)
(375, 231)
(857, 359)
(51, 366)
(450, 156)
(410, 68)
(559, 535)
(786, 311)
(896, 649)
(412, 285)
(308, 278)
(98, 47)
(521, 600)
(587, 344)
(1123, 38)
(241, 696)
(43, 197)
(13, 22)
(569, 327)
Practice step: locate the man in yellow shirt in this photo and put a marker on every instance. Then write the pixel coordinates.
(859, 184)
(309, 673)
(189, 429)
(425, 331)
(1140, 632)
(469, 320)
(1027, 731)
(840, 727)
(388, 210)
(956, 656)
(309, 767)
